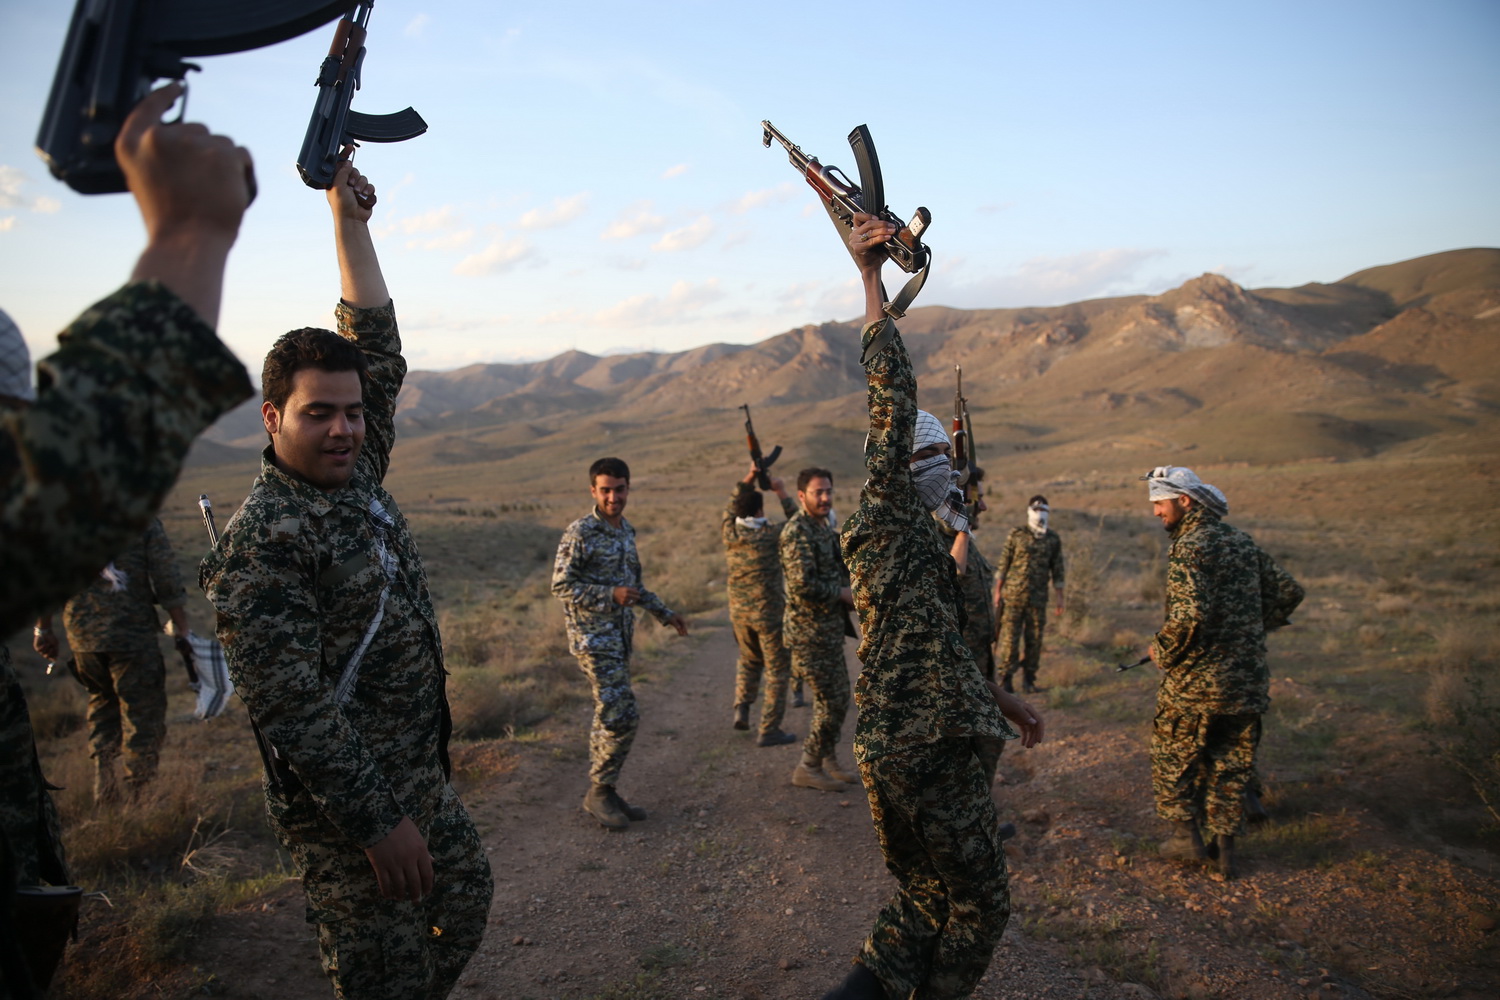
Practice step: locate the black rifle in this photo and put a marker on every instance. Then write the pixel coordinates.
(963, 446)
(762, 463)
(116, 50)
(842, 198)
(334, 126)
(1131, 666)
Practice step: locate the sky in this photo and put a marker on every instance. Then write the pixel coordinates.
(593, 176)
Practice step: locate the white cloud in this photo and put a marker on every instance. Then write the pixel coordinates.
(563, 211)
(681, 302)
(766, 196)
(7, 223)
(430, 221)
(675, 171)
(416, 26)
(1042, 280)
(500, 256)
(13, 183)
(635, 220)
(446, 241)
(736, 239)
(686, 238)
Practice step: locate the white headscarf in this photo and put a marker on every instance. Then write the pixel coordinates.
(935, 479)
(1036, 518)
(1167, 481)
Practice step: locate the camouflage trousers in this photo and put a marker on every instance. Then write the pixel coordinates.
(940, 836)
(615, 716)
(1022, 625)
(1200, 765)
(762, 653)
(29, 822)
(375, 948)
(818, 658)
(127, 712)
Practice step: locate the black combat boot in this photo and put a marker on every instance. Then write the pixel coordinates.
(1224, 852)
(633, 813)
(776, 738)
(604, 805)
(1185, 844)
(1255, 809)
(742, 715)
(1006, 685)
(797, 700)
(859, 984)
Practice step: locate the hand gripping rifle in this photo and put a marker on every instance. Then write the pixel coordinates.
(333, 125)
(841, 199)
(116, 49)
(963, 446)
(762, 463)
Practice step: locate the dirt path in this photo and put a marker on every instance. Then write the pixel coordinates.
(741, 886)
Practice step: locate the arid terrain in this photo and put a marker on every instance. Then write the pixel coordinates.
(1352, 426)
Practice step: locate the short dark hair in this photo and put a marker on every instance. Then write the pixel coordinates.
(615, 468)
(976, 474)
(751, 503)
(1036, 499)
(308, 347)
(808, 475)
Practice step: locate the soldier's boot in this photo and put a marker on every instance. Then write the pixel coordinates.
(810, 774)
(1007, 831)
(604, 805)
(1255, 809)
(775, 738)
(859, 984)
(837, 771)
(106, 782)
(797, 700)
(1007, 685)
(633, 813)
(1029, 686)
(1224, 856)
(742, 715)
(1185, 844)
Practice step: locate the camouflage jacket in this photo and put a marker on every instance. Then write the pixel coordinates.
(296, 581)
(815, 575)
(977, 585)
(919, 683)
(27, 818)
(593, 558)
(1223, 595)
(102, 618)
(1027, 563)
(753, 555)
(134, 380)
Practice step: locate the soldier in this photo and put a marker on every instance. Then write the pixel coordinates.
(135, 378)
(597, 576)
(925, 711)
(333, 644)
(112, 630)
(817, 599)
(976, 578)
(756, 605)
(1033, 555)
(1224, 593)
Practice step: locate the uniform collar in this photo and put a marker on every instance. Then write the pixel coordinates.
(603, 522)
(316, 500)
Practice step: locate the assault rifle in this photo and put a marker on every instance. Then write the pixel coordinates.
(333, 126)
(762, 463)
(116, 49)
(963, 445)
(1131, 666)
(842, 198)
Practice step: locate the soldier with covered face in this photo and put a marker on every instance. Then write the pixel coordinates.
(1224, 593)
(757, 602)
(926, 713)
(1032, 558)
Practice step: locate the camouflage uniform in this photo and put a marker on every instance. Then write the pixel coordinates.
(813, 626)
(296, 580)
(593, 558)
(28, 819)
(757, 603)
(977, 585)
(925, 715)
(82, 470)
(1223, 594)
(112, 634)
(1026, 565)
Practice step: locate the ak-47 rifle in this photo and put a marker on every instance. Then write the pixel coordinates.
(842, 198)
(116, 49)
(333, 126)
(762, 463)
(963, 445)
(1131, 666)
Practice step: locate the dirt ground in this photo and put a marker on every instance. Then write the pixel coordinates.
(741, 886)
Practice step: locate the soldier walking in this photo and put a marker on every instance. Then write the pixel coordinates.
(112, 629)
(597, 576)
(333, 644)
(1033, 555)
(1224, 593)
(817, 600)
(757, 603)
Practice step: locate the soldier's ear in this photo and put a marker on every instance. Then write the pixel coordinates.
(270, 417)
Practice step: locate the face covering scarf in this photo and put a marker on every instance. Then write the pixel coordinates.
(936, 483)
